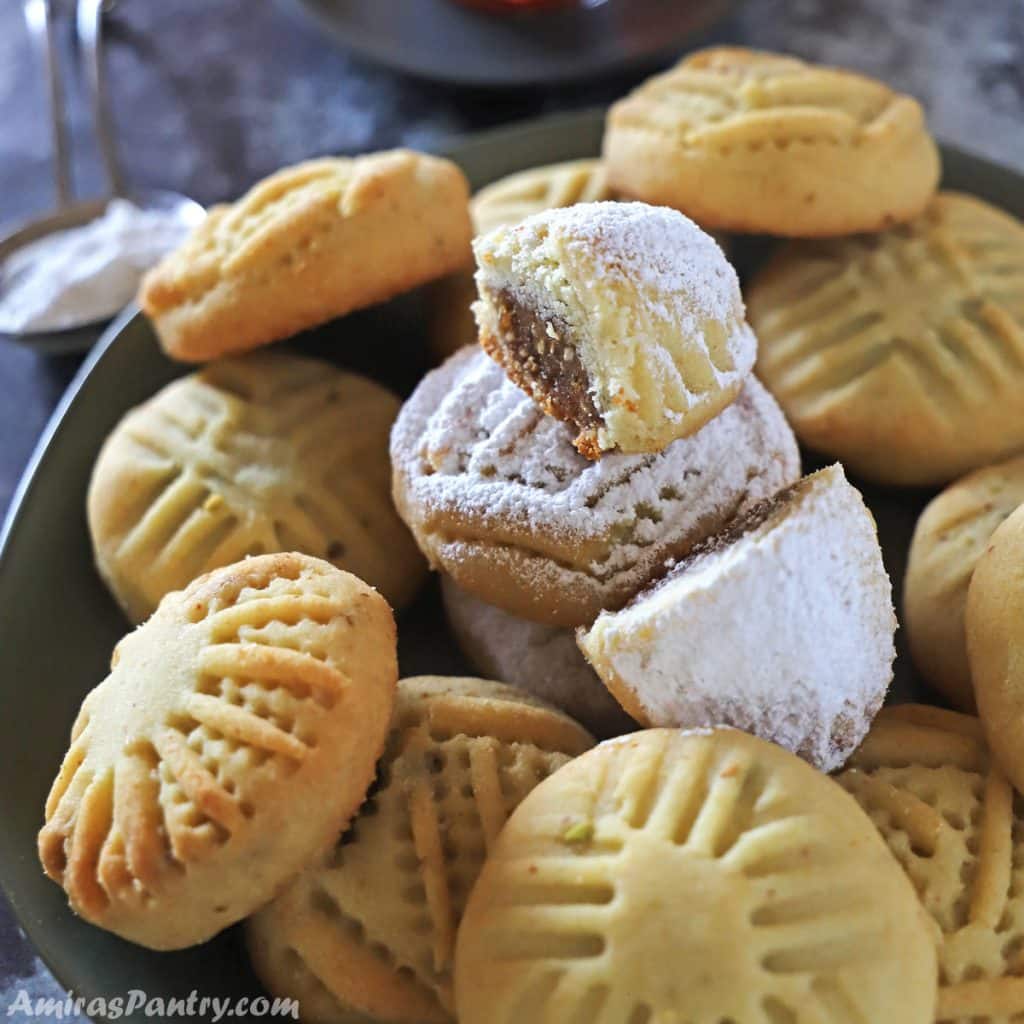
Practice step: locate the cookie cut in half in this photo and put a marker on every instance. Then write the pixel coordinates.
(621, 319)
(542, 660)
(745, 140)
(497, 496)
(698, 877)
(251, 455)
(995, 644)
(901, 354)
(235, 736)
(952, 819)
(951, 535)
(369, 933)
(308, 244)
(782, 626)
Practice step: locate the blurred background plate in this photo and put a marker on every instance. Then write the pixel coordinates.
(487, 43)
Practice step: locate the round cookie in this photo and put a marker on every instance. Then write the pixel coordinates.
(371, 930)
(498, 497)
(542, 660)
(995, 644)
(951, 818)
(745, 140)
(949, 538)
(901, 354)
(234, 737)
(623, 320)
(507, 201)
(308, 244)
(782, 626)
(256, 454)
(699, 877)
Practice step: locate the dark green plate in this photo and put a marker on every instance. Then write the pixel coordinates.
(58, 624)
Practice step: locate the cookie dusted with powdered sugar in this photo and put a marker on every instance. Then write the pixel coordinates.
(497, 496)
(623, 320)
(799, 606)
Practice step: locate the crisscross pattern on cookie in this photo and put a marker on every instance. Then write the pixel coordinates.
(950, 816)
(258, 454)
(461, 756)
(698, 877)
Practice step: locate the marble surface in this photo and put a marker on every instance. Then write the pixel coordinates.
(211, 96)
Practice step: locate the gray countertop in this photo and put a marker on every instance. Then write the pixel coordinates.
(212, 95)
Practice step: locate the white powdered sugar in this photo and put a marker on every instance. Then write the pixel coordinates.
(785, 631)
(478, 463)
(542, 660)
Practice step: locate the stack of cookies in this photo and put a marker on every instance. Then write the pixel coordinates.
(604, 474)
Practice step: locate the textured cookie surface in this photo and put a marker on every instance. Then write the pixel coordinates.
(750, 141)
(951, 818)
(498, 497)
(995, 644)
(781, 626)
(950, 537)
(234, 737)
(901, 354)
(508, 201)
(623, 320)
(542, 660)
(250, 455)
(697, 878)
(308, 244)
(371, 930)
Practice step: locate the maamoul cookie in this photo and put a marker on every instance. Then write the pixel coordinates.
(508, 201)
(309, 243)
(995, 644)
(543, 660)
(951, 818)
(498, 497)
(901, 354)
(692, 877)
(371, 930)
(260, 453)
(782, 626)
(233, 739)
(950, 537)
(624, 320)
(745, 140)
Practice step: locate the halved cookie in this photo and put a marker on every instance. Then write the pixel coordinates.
(901, 354)
(497, 496)
(371, 930)
(308, 244)
(951, 535)
(621, 319)
(952, 819)
(251, 455)
(782, 626)
(235, 736)
(702, 877)
(745, 140)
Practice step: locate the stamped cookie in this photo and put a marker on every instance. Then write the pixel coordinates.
(498, 497)
(235, 736)
(255, 454)
(901, 354)
(995, 644)
(623, 320)
(371, 930)
(543, 660)
(308, 244)
(745, 140)
(950, 537)
(951, 818)
(782, 626)
(699, 877)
